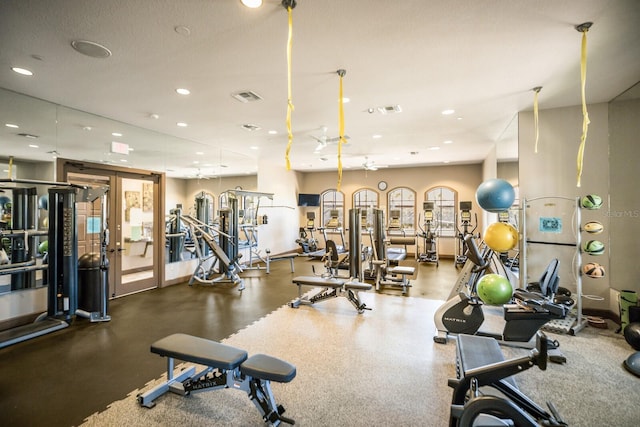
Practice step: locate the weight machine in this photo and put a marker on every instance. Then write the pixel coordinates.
(63, 294)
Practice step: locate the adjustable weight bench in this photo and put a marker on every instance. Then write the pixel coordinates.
(332, 287)
(226, 367)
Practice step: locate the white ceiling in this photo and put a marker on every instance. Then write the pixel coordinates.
(480, 58)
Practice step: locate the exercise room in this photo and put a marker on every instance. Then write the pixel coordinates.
(319, 213)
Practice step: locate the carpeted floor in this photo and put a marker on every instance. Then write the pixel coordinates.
(382, 368)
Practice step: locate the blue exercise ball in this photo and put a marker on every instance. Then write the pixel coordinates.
(495, 195)
(43, 202)
(4, 200)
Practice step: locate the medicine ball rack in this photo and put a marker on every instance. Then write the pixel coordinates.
(574, 321)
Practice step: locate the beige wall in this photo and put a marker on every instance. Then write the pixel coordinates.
(462, 178)
(624, 210)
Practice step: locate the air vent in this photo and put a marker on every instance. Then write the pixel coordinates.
(250, 127)
(246, 96)
(390, 109)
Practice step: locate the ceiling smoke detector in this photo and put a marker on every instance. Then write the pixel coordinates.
(92, 49)
(246, 96)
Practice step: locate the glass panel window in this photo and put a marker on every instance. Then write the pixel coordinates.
(444, 209)
(332, 209)
(366, 200)
(402, 210)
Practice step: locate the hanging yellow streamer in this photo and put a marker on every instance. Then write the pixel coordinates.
(535, 116)
(342, 139)
(289, 97)
(585, 114)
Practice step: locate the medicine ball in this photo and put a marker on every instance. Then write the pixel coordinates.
(591, 201)
(632, 334)
(501, 236)
(495, 195)
(494, 289)
(593, 247)
(593, 227)
(593, 269)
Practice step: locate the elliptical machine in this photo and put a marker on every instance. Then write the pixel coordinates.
(463, 312)
(429, 236)
(468, 228)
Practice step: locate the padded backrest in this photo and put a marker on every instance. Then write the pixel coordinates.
(549, 280)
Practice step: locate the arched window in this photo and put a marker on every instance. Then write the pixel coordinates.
(332, 202)
(365, 200)
(401, 205)
(444, 209)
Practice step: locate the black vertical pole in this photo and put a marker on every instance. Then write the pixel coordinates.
(63, 254)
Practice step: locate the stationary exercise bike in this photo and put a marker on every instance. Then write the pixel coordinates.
(463, 312)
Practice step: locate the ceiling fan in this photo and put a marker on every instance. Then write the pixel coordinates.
(324, 140)
(370, 165)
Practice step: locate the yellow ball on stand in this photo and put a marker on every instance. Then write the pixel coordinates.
(501, 237)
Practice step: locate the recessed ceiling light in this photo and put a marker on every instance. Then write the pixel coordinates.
(199, 153)
(195, 162)
(376, 136)
(116, 134)
(123, 160)
(130, 149)
(254, 147)
(154, 116)
(252, 3)
(33, 146)
(92, 49)
(446, 161)
(448, 112)
(448, 141)
(22, 71)
(434, 148)
(87, 128)
(183, 91)
(11, 125)
(182, 124)
(459, 118)
(345, 100)
(273, 132)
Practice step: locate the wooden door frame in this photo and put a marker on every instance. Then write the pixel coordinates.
(63, 166)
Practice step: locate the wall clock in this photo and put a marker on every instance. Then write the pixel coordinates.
(382, 185)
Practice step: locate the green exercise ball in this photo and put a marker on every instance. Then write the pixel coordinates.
(43, 247)
(494, 289)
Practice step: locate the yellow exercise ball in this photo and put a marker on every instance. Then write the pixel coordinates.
(501, 237)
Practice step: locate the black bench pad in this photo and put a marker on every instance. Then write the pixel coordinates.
(325, 282)
(475, 351)
(268, 368)
(199, 350)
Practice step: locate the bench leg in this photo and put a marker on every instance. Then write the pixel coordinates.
(147, 399)
(261, 395)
